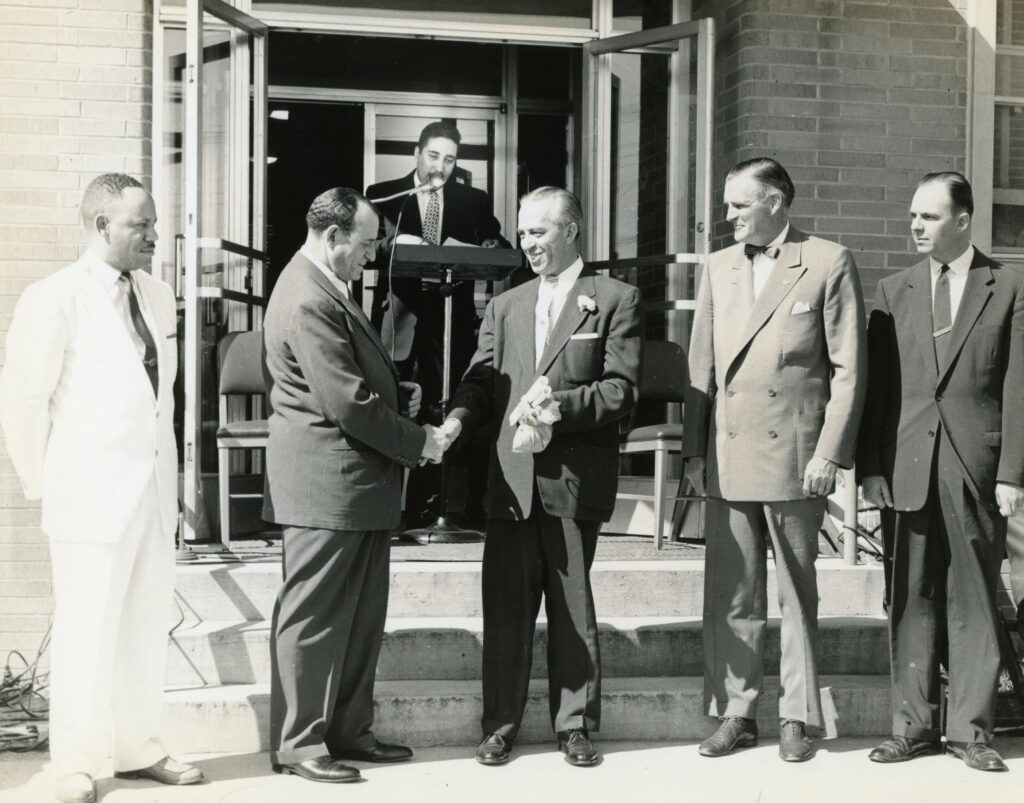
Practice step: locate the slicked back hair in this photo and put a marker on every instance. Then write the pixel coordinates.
(102, 191)
(439, 129)
(335, 207)
(569, 208)
(771, 175)
(959, 188)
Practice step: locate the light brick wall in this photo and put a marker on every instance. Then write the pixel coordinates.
(857, 99)
(75, 100)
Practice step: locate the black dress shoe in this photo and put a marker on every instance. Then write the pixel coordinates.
(579, 750)
(380, 753)
(902, 748)
(977, 756)
(323, 768)
(793, 742)
(732, 733)
(493, 750)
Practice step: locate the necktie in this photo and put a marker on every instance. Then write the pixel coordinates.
(942, 318)
(430, 225)
(751, 251)
(552, 283)
(547, 322)
(141, 332)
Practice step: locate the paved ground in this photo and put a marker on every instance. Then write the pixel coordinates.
(630, 773)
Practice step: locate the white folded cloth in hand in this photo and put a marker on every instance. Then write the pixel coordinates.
(533, 417)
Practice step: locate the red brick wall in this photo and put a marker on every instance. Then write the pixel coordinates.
(856, 99)
(75, 84)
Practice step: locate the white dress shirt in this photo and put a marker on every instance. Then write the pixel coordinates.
(551, 296)
(958, 270)
(423, 197)
(110, 277)
(326, 271)
(763, 264)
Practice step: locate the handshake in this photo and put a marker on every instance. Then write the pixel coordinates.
(438, 440)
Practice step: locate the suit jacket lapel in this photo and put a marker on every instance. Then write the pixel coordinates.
(977, 292)
(784, 276)
(117, 329)
(919, 286)
(569, 320)
(522, 316)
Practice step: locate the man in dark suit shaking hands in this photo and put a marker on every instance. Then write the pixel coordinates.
(942, 443)
(581, 331)
(340, 435)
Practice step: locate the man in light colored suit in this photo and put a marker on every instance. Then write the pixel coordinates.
(583, 332)
(777, 378)
(942, 443)
(340, 437)
(87, 409)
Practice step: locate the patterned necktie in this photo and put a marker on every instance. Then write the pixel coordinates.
(942, 318)
(141, 334)
(431, 232)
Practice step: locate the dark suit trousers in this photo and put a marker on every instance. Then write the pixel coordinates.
(524, 560)
(736, 606)
(326, 634)
(946, 561)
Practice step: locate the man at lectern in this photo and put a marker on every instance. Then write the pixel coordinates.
(409, 313)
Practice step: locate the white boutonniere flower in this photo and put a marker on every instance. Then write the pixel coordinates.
(586, 304)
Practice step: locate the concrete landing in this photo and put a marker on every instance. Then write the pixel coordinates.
(630, 771)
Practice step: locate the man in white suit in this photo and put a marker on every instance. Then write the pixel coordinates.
(86, 408)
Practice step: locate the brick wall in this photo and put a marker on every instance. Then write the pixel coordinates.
(75, 85)
(857, 99)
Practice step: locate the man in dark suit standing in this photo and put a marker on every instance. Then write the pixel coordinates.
(409, 313)
(942, 443)
(340, 435)
(581, 331)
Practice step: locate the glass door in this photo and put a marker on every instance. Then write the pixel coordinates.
(220, 267)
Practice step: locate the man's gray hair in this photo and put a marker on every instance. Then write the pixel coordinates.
(102, 191)
(569, 208)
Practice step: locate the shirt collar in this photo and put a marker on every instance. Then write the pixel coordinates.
(320, 266)
(959, 266)
(107, 274)
(569, 276)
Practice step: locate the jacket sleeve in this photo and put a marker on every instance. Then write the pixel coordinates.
(321, 343)
(702, 388)
(36, 342)
(881, 352)
(613, 395)
(1011, 455)
(473, 400)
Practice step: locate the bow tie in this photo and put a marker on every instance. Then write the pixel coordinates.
(751, 251)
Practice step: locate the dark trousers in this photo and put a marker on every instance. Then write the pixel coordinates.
(524, 560)
(326, 634)
(946, 561)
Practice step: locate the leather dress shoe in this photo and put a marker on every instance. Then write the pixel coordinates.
(579, 750)
(322, 768)
(793, 742)
(902, 748)
(977, 756)
(732, 733)
(167, 771)
(493, 750)
(77, 787)
(380, 753)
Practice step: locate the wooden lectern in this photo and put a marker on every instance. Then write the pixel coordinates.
(450, 263)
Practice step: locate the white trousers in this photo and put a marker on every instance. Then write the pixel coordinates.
(109, 646)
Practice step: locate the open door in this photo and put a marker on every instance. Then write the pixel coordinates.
(221, 265)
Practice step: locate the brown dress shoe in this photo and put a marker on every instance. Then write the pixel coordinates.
(77, 787)
(322, 768)
(579, 750)
(380, 753)
(493, 750)
(793, 742)
(732, 733)
(167, 771)
(977, 756)
(902, 748)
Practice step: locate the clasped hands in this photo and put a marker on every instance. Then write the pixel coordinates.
(534, 416)
(1009, 498)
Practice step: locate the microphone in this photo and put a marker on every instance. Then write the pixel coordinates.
(433, 185)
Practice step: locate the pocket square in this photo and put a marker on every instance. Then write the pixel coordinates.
(801, 307)
(586, 336)
(173, 336)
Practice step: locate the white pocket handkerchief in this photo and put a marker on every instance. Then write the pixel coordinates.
(801, 307)
(585, 336)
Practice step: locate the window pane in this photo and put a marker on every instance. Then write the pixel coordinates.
(1010, 22)
(544, 72)
(1009, 75)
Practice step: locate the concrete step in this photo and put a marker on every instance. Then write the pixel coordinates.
(246, 591)
(214, 653)
(433, 713)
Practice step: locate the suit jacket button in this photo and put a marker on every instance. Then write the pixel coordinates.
(732, 434)
(771, 393)
(730, 393)
(938, 398)
(931, 433)
(772, 433)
